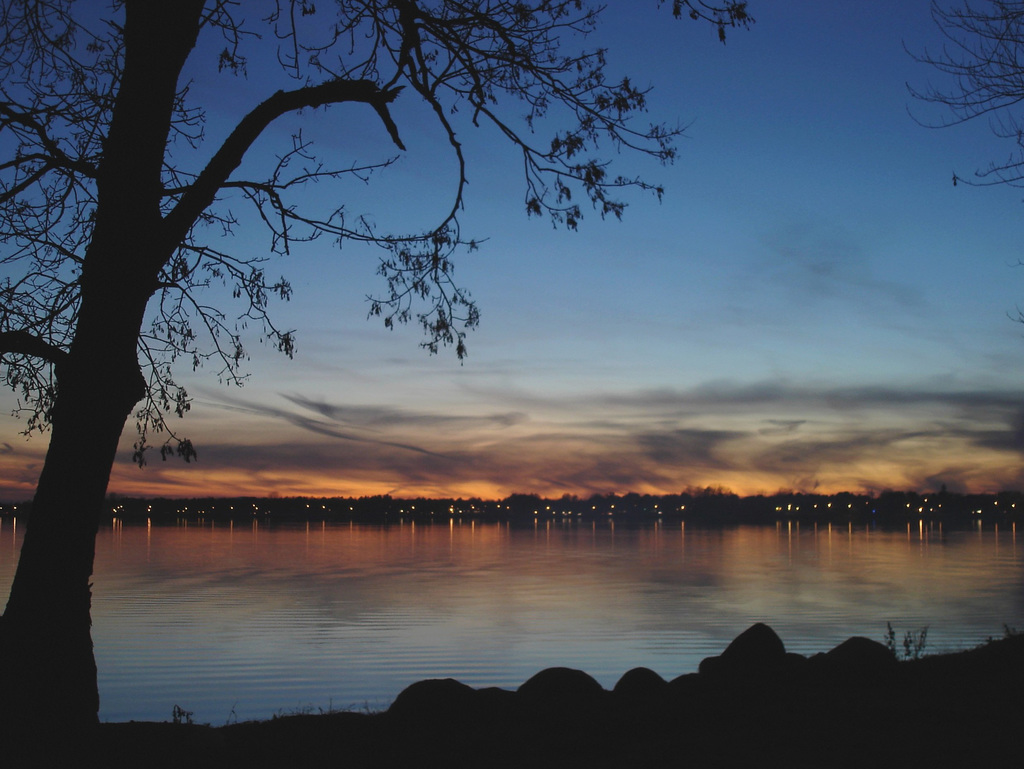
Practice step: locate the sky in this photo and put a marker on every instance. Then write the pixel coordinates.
(812, 306)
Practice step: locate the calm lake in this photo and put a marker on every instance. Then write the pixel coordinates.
(245, 620)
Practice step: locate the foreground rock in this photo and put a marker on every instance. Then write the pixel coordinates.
(754, 705)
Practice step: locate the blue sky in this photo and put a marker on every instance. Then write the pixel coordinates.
(813, 305)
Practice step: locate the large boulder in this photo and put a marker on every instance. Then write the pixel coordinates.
(640, 684)
(756, 650)
(435, 698)
(562, 689)
(641, 693)
(856, 658)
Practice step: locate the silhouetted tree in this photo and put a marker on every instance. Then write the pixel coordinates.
(114, 201)
(983, 56)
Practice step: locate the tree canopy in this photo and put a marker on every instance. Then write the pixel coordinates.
(982, 61)
(509, 64)
(117, 192)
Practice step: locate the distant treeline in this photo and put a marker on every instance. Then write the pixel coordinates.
(709, 505)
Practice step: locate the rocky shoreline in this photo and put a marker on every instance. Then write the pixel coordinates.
(755, 704)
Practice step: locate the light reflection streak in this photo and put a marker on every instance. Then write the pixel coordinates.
(830, 543)
(789, 543)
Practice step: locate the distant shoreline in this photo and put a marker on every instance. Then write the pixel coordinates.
(711, 506)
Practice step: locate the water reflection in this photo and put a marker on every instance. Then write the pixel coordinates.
(257, 618)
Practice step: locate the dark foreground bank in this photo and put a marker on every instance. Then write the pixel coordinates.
(755, 705)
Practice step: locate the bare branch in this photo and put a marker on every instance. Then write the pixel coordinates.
(505, 63)
(983, 56)
(229, 156)
(24, 343)
(726, 14)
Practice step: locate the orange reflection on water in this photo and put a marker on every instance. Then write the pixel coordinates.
(273, 616)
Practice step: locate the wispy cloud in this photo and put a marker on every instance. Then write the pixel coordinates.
(19, 469)
(327, 428)
(752, 437)
(781, 426)
(817, 260)
(389, 417)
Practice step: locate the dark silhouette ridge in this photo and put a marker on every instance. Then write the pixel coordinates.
(754, 705)
(701, 506)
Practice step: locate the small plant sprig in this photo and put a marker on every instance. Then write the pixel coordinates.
(181, 716)
(913, 643)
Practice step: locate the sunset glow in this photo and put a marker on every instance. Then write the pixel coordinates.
(813, 306)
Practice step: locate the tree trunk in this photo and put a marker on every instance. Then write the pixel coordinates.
(45, 634)
(49, 674)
